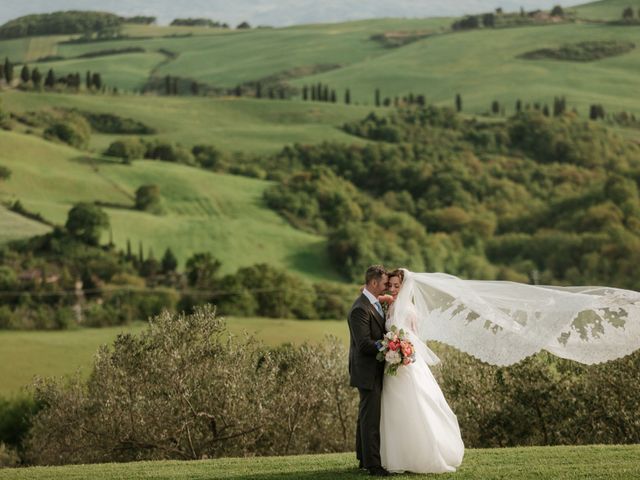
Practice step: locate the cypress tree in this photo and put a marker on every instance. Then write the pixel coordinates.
(87, 80)
(8, 70)
(195, 89)
(458, 102)
(174, 86)
(50, 81)
(325, 94)
(25, 75)
(559, 106)
(167, 85)
(377, 99)
(36, 77)
(518, 105)
(495, 107)
(258, 90)
(169, 261)
(347, 97)
(305, 93)
(129, 255)
(333, 96)
(314, 93)
(96, 80)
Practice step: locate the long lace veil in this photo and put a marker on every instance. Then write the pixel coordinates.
(503, 322)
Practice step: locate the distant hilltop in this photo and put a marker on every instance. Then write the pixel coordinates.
(281, 12)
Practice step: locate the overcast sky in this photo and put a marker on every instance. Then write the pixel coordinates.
(274, 12)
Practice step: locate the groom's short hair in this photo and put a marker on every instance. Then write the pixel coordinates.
(374, 272)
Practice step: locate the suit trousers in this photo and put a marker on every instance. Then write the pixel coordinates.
(368, 427)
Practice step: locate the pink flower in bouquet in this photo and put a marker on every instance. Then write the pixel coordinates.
(394, 345)
(407, 350)
(406, 361)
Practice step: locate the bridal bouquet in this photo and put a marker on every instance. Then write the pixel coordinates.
(395, 350)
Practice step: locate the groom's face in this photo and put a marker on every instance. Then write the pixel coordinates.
(379, 286)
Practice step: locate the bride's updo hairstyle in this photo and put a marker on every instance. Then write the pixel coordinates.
(397, 273)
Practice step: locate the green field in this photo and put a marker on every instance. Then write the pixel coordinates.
(24, 354)
(14, 226)
(221, 214)
(559, 463)
(248, 125)
(481, 65)
(605, 9)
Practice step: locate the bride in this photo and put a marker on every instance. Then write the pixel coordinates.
(498, 322)
(418, 431)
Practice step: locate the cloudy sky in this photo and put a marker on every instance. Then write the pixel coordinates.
(275, 12)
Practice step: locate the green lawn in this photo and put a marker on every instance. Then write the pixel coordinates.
(558, 463)
(221, 214)
(24, 354)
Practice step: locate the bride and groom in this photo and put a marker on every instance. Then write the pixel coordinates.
(404, 421)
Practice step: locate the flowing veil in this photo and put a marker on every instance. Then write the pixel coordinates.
(503, 322)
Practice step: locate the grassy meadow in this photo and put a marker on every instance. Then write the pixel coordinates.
(24, 354)
(14, 226)
(483, 65)
(231, 124)
(598, 462)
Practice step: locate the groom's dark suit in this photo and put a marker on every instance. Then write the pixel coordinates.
(366, 326)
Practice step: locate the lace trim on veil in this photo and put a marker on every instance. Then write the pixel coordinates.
(502, 323)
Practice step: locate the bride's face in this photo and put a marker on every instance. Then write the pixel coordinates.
(394, 285)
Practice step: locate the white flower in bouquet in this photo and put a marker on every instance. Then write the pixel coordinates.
(393, 357)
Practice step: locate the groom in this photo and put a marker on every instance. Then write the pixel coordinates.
(366, 327)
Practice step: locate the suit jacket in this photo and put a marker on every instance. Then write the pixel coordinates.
(366, 326)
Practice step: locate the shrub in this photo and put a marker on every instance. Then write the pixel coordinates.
(114, 124)
(72, 129)
(5, 173)
(168, 152)
(127, 149)
(148, 199)
(186, 389)
(86, 222)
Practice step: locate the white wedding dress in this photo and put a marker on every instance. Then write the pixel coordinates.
(418, 431)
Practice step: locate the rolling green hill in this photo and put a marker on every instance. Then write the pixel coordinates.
(481, 65)
(222, 214)
(248, 125)
(605, 9)
(561, 463)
